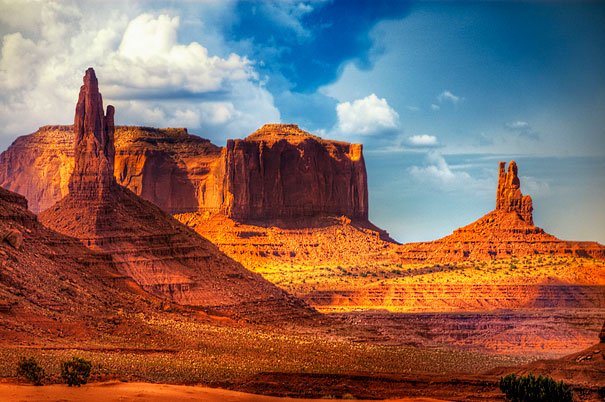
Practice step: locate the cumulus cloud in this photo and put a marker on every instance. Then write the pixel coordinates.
(448, 96)
(367, 116)
(435, 107)
(143, 69)
(422, 140)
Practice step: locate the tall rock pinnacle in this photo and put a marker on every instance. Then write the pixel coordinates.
(509, 197)
(92, 176)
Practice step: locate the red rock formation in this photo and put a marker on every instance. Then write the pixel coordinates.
(38, 166)
(301, 176)
(163, 256)
(503, 233)
(169, 167)
(94, 152)
(281, 172)
(509, 197)
(52, 283)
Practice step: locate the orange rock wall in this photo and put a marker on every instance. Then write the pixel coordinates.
(281, 179)
(301, 175)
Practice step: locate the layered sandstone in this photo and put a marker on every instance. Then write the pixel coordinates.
(52, 285)
(281, 172)
(164, 257)
(278, 172)
(168, 167)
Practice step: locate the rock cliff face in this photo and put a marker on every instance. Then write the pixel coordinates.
(38, 166)
(281, 171)
(169, 167)
(164, 257)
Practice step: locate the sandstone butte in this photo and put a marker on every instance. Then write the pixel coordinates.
(507, 231)
(163, 256)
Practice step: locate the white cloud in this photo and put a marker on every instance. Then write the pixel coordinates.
(522, 129)
(447, 96)
(422, 140)
(435, 107)
(516, 125)
(438, 173)
(370, 115)
(534, 186)
(143, 70)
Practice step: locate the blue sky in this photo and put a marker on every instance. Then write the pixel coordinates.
(436, 92)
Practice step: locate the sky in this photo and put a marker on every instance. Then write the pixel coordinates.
(438, 92)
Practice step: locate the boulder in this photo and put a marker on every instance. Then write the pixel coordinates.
(14, 238)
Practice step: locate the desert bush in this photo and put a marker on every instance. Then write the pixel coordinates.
(535, 389)
(76, 371)
(29, 369)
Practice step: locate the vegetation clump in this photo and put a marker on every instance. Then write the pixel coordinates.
(75, 372)
(29, 369)
(535, 389)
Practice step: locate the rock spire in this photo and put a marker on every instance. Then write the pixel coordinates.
(509, 197)
(94, 150)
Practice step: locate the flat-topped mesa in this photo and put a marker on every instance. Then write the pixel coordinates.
(94, 150)
(509, 197)
(283, 172)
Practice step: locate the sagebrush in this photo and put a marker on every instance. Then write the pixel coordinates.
(29, 369)
(75, 372)
(535, 389)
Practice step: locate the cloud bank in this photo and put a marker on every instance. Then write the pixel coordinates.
(143, 69)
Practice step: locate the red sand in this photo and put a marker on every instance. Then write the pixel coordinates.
(127, 392)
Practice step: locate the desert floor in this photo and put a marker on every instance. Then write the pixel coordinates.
(124, 392)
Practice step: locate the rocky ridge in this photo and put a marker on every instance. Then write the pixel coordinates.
(50, 284)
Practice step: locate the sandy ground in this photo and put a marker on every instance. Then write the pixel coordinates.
(127, 392)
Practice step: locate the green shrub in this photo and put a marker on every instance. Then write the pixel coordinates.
(76, 371)
(29, 369)
(535, 389)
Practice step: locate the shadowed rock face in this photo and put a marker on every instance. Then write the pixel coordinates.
(282, 172)
(94, 150)
(509, 197)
